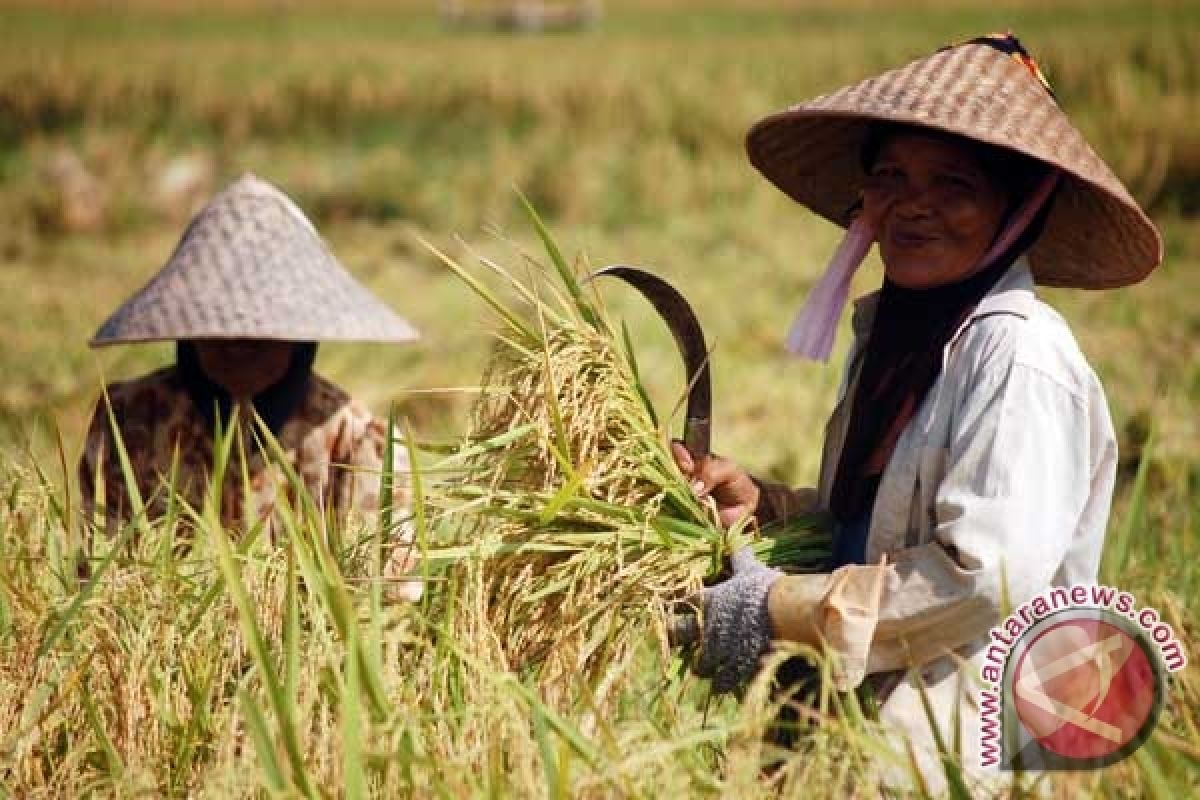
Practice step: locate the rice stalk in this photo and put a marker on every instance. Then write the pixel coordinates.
(582, 531)
(162, 686)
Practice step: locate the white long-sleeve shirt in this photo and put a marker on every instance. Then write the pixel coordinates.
(998, 489)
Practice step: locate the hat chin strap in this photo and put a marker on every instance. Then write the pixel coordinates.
(814, 328)
(1020, 220)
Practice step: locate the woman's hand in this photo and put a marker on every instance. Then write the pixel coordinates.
(736, 493)
(736, 628)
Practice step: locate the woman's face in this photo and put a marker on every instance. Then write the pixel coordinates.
(937, 209)
(244, 367)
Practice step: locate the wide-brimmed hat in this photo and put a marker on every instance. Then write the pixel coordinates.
(251, 266)
(1095, 236)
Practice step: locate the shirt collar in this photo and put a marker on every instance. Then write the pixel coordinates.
(1012, 294)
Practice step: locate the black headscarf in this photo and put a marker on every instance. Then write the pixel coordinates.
(275, 404)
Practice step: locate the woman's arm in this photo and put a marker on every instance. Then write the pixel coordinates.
(778, 502)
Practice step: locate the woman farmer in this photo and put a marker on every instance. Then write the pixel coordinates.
(247, 294)
(970, 459)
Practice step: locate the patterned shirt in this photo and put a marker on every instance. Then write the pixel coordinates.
(332, 442)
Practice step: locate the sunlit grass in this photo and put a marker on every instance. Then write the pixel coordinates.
(247, 663)
(390, 129)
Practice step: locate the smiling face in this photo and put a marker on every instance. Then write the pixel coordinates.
(938, 210)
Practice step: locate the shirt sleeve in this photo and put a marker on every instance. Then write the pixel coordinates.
(1018, 475)
(778, 502)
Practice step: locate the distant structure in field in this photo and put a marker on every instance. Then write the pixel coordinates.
(522, 16)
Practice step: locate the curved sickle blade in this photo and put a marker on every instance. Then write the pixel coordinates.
(684, 326)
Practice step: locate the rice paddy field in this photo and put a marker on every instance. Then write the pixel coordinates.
(242, 669)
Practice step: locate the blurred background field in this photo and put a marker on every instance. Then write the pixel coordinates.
(386, 124)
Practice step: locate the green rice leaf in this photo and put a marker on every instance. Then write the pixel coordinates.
(112, 760)
(546, 751)
(211, 523)
(955, 783)
(565, 273)
(1117, 548)
(631, 359)
(256, 724)
(484, 293)
(353, 765)
(291, 628)
(63, 621)
(420, 522)
(561, 498)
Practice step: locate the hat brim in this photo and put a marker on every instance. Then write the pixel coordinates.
(251, 266)
(1096, 235)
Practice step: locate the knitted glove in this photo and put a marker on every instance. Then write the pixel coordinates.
(737, 630)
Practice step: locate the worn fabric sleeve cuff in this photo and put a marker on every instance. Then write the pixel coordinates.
(837, 613)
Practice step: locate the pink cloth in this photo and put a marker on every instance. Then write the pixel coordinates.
(1020, 221)
(815, 325)
(813, 330)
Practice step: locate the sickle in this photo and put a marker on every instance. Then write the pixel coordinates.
(684, 326)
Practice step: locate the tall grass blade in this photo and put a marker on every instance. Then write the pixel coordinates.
(383, 536)
(1118, 547)
(419, 520)
(562, 447)
(277, 700)
(353, 764)
(565, 273)
(1154, 783)
(561, 498)
(72, 539)
(136, 506)
(260, 734)
(548, 755)
(955, 783)
(170, 518)
(484, 293)
(63, 621)
(112, 759)
(635, 371)
(291, 627)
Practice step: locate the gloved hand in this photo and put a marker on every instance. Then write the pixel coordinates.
(737, 630)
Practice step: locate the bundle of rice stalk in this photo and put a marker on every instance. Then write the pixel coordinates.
(580, 531)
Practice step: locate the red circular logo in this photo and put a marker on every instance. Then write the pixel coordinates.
(1085, 688)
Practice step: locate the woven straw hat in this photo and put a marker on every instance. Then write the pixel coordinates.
(250, 265)
(1096, 236)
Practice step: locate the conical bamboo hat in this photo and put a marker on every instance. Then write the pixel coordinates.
(1096, 236)
(250, 265)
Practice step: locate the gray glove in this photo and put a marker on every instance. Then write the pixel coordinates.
(737, 630)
